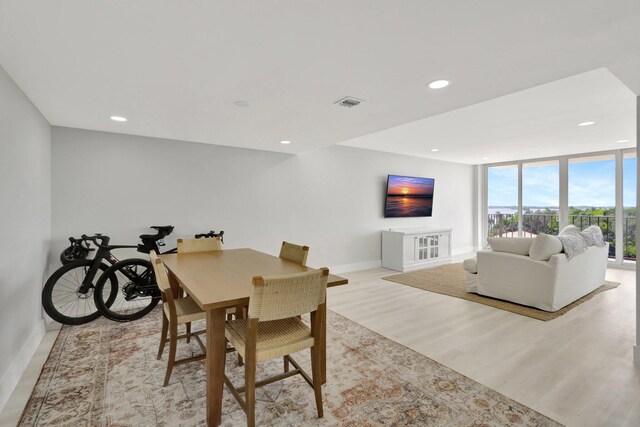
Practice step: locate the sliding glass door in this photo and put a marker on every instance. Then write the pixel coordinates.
(540, 201)
(526, 198)
(592, 195)
(502, 205)
(629, 170)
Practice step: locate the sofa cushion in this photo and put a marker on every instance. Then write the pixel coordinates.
(512, 245)
(544, 246)
(470, 265)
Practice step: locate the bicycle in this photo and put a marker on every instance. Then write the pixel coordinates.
(122, 290)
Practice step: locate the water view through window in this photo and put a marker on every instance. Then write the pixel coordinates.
(591, 198)
(592, 195)
(503, 201)
(540, 198)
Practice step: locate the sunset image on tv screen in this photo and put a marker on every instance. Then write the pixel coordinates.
(409, 196)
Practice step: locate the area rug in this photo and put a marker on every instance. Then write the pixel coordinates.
(106, 374)
(450, 280)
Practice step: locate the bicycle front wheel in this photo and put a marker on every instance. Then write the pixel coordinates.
(63, 298)
(137, 292)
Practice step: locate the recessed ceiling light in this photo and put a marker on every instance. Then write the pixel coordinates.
(485, 158)
(622, 140)
(118, 118)
(439, 84)
(435, 149)
(586, 123)
(285, 142)
(241, 103)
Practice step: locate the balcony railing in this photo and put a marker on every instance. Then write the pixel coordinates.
(506, 225)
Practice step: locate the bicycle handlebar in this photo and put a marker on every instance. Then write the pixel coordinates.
(211, 234)
(104, 240)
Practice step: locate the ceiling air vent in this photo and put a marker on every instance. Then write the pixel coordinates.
(349, 101)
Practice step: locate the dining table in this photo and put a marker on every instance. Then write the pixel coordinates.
(218, 280)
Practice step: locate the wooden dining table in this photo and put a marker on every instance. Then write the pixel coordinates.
(218, 280)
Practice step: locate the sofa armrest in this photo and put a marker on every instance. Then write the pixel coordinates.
(580, 275)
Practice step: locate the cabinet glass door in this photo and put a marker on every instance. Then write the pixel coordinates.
(434, 245)
(427, 247)
(423, 247)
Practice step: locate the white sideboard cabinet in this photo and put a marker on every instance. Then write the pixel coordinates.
(405, 249)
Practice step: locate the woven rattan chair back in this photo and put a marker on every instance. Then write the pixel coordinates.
(177, 310)
(162, 279)
(199, 245)
(294, 253)
(280, 297)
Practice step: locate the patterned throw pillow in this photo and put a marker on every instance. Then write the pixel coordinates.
(574, 241)
(593, 236)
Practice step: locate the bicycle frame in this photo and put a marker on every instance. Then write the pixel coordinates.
(103, 253)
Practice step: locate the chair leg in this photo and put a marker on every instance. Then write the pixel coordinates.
(173, 341)
(286, 363)
(163, 335)
(188, 326)
(240, 361)
(250, 391)
(317, 380)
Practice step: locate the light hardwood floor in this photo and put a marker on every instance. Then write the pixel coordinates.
(577, 369)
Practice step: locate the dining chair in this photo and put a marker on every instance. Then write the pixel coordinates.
(176, 311)
(199, 245)
(294, 253)
(202, 245)
(272, 330)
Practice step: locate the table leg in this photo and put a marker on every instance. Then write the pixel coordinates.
(322, 337)
(216, 354)
(175, 285)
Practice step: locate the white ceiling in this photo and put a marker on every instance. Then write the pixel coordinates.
(175, 68)
(534, 123)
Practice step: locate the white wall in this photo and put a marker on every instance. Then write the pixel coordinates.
(330, 199)
(25, 220)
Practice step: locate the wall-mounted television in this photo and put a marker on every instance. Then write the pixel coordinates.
(408, 196)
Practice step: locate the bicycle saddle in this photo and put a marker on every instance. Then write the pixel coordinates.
(163, 229)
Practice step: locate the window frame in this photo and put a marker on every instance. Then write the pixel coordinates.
(563, 193)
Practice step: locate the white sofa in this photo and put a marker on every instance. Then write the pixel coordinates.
(546, 285)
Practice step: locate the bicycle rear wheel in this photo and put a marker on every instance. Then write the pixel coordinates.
(137, 292)
(62, 298)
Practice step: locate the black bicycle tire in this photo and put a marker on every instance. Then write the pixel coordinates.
(47, 293)
(105, 306)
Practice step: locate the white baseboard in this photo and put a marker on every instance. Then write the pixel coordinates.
(464, 251)
(636, 355)
(12, 376)
(346, 268)
(458, 256)
(430, 264)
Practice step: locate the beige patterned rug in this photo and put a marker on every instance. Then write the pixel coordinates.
(106, 374)
(450, 280)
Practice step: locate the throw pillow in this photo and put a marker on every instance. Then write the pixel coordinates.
(512, 245)
(570, 229)
(544, 246)
(593, 236)
(573, 243)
